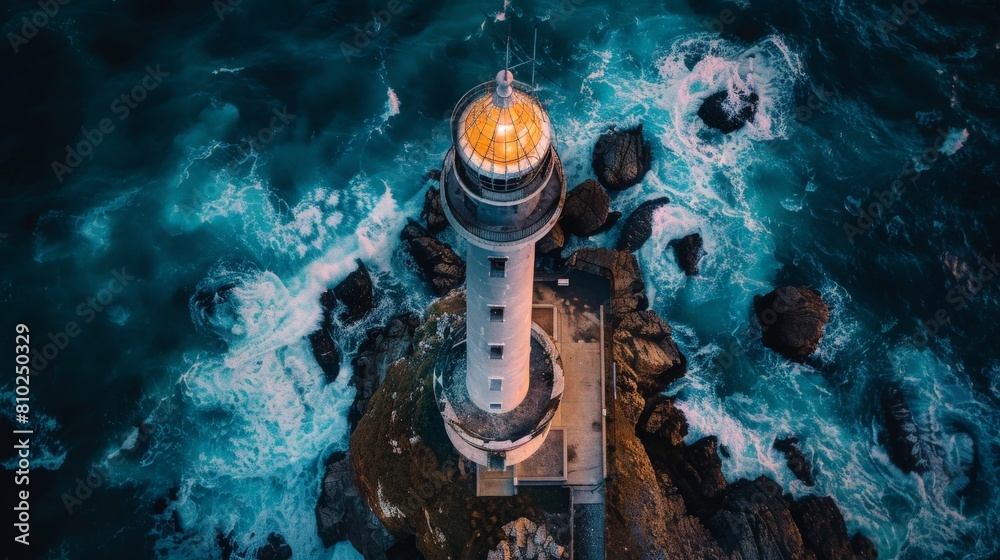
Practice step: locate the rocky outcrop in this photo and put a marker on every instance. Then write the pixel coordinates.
(753, 521)
(644, 341)
(436, 262)
(622, 158)
(824, 532)
(796, 460)
(664, 421)
(638, 226)
(528, 540)
(356, 293)
(726, 112)
(792, 320)
(342, 515)
(687, 252)
(383, 346)
(552, 244)
(432, 213)
(586, 209)
(324, 347)
(904, 444)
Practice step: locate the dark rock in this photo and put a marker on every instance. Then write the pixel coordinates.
(687, 252)
(639, 225)
(796, 460)
(586, 209)
(622, 158)
(664, 421)
(433, 175)
(613, 218)
(383, 346)
(863, 547)
(646, 324)
(324, 348)
(822, 526)
(702, 472)
(437, 262)
(728, 115)
(655, 362)
(552, 243)
(792, 320)
(904, 444)
(342, 515)
(432, 213)
(753, 521)
(356, 293)
(275, 549)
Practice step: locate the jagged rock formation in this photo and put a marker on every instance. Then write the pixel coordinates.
(586, 209)
(342, 515)
(622, 158)
(796, 460)
(528, 541)
(324, 347)
(432, 213)
(638, 226)
(383, 346)
(627, 288)
(904, 444)
(728, 115)
(792, 320)
(356, 293)
(670, 500)
(687, 252)
(437, 263)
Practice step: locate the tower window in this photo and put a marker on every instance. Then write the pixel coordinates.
(496, 351)
(495, 406)
(498, 267)
(496, 314)
(496, 384)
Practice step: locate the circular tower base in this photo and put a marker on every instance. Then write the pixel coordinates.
(498, 440)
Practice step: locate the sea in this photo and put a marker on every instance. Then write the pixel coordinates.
(155, 153)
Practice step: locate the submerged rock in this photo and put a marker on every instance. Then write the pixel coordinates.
(275, 549)
(432, 213)
(792, 320)
(687, 252)
(437, 263)
(356, 293)
(904, 444)
(622, 158)
(586, 209)
(728, 114)
(795, 459)
(639, 225)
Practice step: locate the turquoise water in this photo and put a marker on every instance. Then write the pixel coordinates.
(242, 418)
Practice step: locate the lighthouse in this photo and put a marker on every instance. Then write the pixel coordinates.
(498, 380)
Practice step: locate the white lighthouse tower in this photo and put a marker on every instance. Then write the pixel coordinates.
(502, 189)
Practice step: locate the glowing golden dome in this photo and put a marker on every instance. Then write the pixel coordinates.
(505, 133)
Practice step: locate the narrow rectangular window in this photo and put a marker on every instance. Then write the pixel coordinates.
(498, 267)
(496, 384)
(495, 406)
(496, 351)
(496, 314)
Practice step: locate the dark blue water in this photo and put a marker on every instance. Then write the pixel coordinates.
(853, 96)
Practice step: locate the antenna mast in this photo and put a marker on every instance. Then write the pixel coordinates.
(534, 52)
